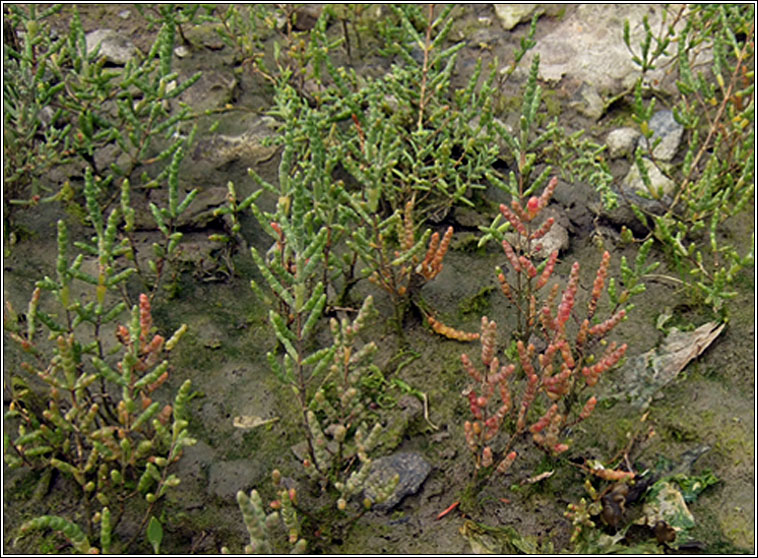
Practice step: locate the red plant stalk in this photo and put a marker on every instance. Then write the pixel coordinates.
(557, 374)
(561, 370)
(145, 318)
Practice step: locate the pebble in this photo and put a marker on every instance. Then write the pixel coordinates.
(665, 127)
(510, 15)
(410, 466)
(632, 183)
(116, 48)
(621, 142)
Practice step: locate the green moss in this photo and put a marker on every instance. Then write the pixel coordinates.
(477, 304)
(505, 104)
(467, 242)
(552, 103)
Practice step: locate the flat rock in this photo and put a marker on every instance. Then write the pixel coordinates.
(412, 469)
(668, 130)
(587, 46)
(644, 376)
(587, 101)
(242, 139)
(214, 89)
(621, 142)
(116, 48)
(633, 183)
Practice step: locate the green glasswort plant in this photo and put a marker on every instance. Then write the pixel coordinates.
(98, 106)
(338, 411)
(93, 109)
(291, 270)
(309, 158)
(716, 107)
(412, 139)
(31, 145)
(335, 409)
(94, 422)
(261, 526)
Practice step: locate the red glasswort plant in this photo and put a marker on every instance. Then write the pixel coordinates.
(558, 376)
(403, 275)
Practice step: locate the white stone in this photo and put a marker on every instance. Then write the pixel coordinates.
(510, 15)
(116, 48)
(669, 131)
(621, 142)
(633, 181)
(588, 46)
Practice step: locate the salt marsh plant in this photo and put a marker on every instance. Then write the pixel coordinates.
(30, 145)
(570, 363)
(63, 103)
(325, 380)
(414, 139)
(555, 381)
(716, 107)
(393, 258)
(86, 414)
(262, 527)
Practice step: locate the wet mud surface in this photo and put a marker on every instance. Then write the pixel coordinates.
(710, 404)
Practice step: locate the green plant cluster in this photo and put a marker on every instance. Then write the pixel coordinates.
(83, 411)
(715, 179)
(370, 166)
(84, 407)
(63, 104)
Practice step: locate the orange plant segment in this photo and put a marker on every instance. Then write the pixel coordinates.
(432, 264)
(449, 332)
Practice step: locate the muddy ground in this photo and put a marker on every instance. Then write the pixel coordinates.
(711, 404)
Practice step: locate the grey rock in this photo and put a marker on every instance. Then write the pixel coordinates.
(557, 238)
(212, 90)
(587, 47)
(632, 183)
(412, 469)
(669, 131)
(242, 141)
(621, 142)
(116, 48)
(510, 15)
(589, 102)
